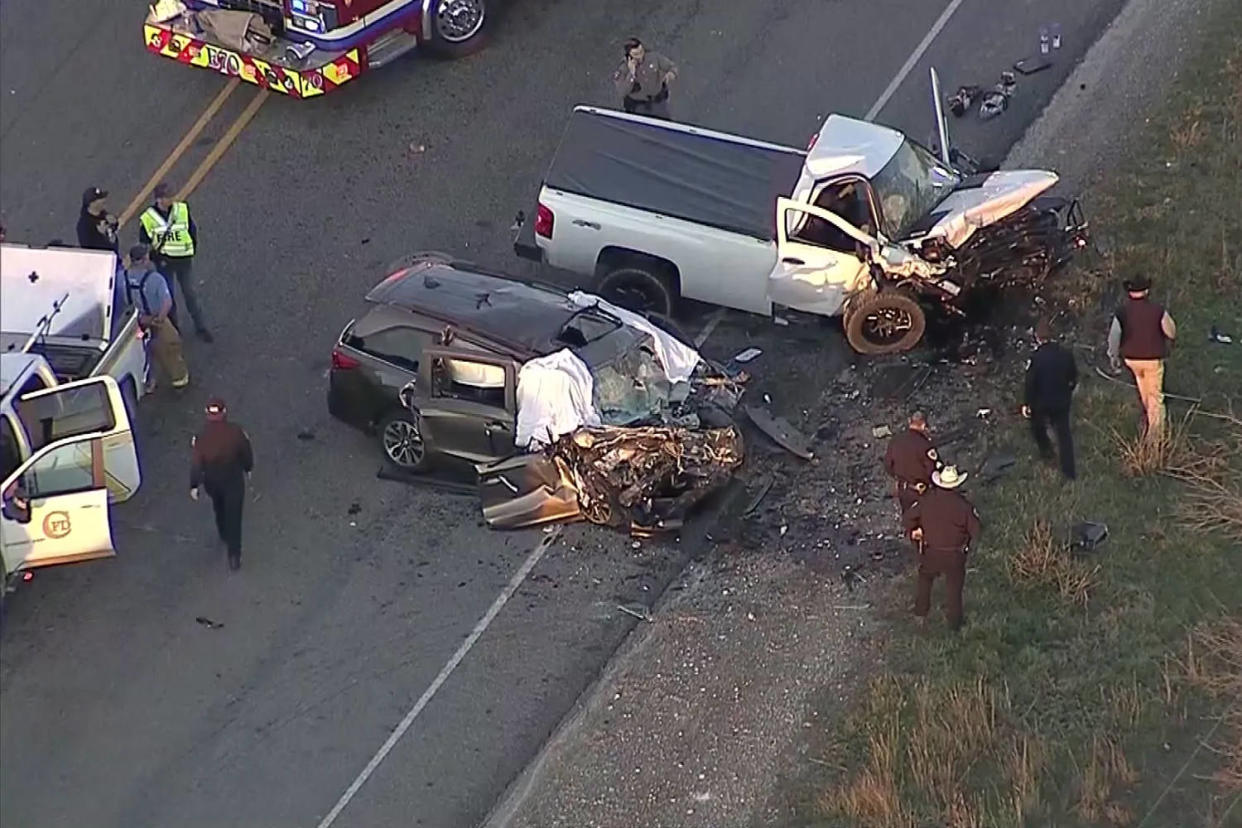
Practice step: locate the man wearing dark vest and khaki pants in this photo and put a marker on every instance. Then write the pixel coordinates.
(1140, 335)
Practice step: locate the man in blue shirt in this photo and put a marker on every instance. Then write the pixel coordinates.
(147, 290)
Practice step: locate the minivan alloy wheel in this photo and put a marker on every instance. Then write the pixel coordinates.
(403, 443)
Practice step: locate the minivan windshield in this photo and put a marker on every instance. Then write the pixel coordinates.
(909, 187)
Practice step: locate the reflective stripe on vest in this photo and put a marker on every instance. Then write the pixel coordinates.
(169, 237)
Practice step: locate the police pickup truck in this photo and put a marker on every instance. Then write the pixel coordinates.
(865, 224)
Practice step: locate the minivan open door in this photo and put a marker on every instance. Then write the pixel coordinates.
(55, 505)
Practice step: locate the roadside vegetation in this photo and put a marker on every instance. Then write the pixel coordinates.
(1096, 687)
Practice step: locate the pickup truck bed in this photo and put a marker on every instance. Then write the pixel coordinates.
(684, 172)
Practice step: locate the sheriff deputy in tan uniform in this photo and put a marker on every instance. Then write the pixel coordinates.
(944, 524)
(642, 80)
(910, 460)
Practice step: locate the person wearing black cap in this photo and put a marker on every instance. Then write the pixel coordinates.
(169, 230)
(221, 463)
(97, 228)
(1140, 335)
(1051, 378)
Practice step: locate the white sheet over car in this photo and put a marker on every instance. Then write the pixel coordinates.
(678, 358)
(554, 395)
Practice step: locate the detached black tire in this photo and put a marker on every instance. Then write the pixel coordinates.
(885, 323)
(640, 289)
(401, 441)
(460, 27)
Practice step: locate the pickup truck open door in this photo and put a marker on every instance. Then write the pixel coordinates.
(55, 504)
(821, 262)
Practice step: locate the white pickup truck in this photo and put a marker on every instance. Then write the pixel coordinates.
(63, 304)
(865, 223)
(66, 452)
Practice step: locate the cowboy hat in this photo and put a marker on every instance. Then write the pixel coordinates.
(949, 477)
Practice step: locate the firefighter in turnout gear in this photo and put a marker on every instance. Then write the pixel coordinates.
(910, 461)
(169, 230)
(147, 291)
(944, 525)
(221, 464)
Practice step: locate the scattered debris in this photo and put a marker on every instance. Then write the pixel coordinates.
(784, 529)
(995, 465)
(1088, 535)
(881, 431)
(747, 355)
(997, 100)
(354, 508)
(306, 434)
(208, 623)
(963, 99)
(637, 610)
(1031, 65)
(1216, 335)
(780, 430)
(983, 412)
(765, 486)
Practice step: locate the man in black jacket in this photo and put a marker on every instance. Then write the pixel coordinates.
(96, 226)
(1050, 381)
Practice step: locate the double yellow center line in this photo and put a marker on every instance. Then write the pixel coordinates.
(217, 151)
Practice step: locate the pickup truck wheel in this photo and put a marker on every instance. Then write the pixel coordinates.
(639, 290)
(401, 440)
(885, 323)
(459, 27)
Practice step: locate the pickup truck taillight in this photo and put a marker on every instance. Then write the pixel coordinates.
(342, 361)
(544, 221)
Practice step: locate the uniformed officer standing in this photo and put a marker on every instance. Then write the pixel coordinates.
(97, 228)
(169, 230)
(221, 464)
(944, 525)
(1051, 379)
(910, 460)
(1140, 335)
(642, 80)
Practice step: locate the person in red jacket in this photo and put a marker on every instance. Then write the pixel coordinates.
(221, 463)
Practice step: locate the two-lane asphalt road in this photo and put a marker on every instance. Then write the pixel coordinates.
(117, 708)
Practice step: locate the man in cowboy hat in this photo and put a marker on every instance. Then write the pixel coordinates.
(1140, 334)
(221, 463)
(944, 525)
(910, 460)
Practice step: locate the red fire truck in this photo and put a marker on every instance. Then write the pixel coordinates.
(304, 48)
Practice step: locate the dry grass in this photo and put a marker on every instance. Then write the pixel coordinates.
(1042, 560)
(923, 748)
(1214, 663)
(1191, 131)
(1107, 769)
(1143, 455)
(1212, 501)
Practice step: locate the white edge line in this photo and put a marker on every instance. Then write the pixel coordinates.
(712, 322)
(913, 59)
(479, 628)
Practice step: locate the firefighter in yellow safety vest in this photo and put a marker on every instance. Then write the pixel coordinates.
(169, 230)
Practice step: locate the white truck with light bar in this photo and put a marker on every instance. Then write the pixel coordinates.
(865, 223)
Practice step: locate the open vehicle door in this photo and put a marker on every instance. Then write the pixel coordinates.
(470, 408)
(821, 263)
(55, 505)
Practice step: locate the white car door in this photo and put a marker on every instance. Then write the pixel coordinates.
(55, 505)
(817, 272)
